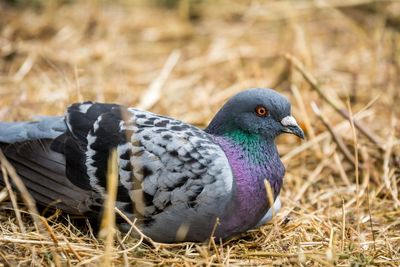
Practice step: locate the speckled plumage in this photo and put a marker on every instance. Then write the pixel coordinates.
(173, 177)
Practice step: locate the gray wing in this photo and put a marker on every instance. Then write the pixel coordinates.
(171, 173)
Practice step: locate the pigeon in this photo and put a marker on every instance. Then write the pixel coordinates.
(178, 182)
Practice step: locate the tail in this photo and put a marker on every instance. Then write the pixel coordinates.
(43, 172)
(28, 146)
(44, 128)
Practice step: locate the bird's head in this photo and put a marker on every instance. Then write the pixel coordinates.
(258, 111)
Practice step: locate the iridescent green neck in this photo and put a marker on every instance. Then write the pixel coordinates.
(253, 145)
(241, 137)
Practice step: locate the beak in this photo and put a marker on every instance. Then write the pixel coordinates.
(290, 126)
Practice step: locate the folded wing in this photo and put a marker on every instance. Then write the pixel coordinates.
(169, 171)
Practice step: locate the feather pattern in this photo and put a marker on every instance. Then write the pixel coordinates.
(163, 163)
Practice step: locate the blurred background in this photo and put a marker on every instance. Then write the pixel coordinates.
(56, 52)
(184, 58)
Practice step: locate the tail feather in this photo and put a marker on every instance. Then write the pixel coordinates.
(43, 172)
(46, 127)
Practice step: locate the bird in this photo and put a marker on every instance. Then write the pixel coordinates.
(172, 177)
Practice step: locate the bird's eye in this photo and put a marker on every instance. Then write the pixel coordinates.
(261, 111)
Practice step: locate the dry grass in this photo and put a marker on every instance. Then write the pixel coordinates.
(340, 197)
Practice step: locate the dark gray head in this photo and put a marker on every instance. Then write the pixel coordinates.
(256, 111)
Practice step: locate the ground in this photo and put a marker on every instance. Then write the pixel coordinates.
(332, 59)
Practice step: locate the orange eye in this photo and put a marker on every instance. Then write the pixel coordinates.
(261, 111)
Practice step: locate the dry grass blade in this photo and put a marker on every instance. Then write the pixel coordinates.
(107, 230)
(3, 194)
(357, 176)
(270, 195)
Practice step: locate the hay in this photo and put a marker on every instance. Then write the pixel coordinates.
(184, 59)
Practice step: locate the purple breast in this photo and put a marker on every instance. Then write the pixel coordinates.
(249, 202)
